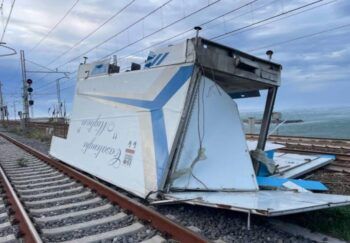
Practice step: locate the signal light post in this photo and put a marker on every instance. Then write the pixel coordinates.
(27, 89)
(27, 93)
(25, 113)
(2, 111)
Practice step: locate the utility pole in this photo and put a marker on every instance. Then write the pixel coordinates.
(14, 110)
(2, 109)
(59, 97)
(25, 114)
(59, 101)
(64, 110)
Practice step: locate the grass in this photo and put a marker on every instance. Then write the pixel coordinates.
(31, 133)
(333, 221)
(15, 130)
(39, 135)
(22, 162)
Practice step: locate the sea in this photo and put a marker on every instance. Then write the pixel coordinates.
(316, 122)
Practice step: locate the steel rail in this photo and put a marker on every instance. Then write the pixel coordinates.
(249, 135)
(309, 150)
(157, 220)
(340, 164)
(26, 226)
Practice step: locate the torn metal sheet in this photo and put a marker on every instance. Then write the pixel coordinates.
(274, 182)
(224, 162)
(267, 203)
(290, 165)
(292, 186)
(268, 147)
(296, 165)
(173, 126)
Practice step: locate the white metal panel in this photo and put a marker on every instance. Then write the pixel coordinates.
(295, 165)
(172, 54)
(173, 111)
(117, 130)
(141, 85)
(227, 164)
(268, 203)
(269, 145)
(99, 145)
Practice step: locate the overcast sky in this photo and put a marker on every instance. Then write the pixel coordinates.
(316, 69)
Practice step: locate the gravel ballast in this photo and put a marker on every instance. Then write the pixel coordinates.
(215, 224)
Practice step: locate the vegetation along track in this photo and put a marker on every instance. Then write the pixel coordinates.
(55, 203)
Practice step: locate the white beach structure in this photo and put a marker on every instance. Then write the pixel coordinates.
(173, 129)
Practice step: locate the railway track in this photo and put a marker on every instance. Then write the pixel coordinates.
(55, 203)
(338, 147)
(8, 229)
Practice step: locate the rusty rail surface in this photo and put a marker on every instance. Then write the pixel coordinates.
(300, 138)
(26, 226)
(157, 220)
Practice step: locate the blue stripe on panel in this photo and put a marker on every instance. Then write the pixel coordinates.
(180, 77)
(157, 115)
(155, 59)
(160, 141)
(162, 59)
(176, 82)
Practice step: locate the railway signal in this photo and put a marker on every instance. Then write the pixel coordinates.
(29, 91)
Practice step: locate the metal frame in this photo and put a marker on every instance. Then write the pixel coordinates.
(180, 134)
(265, 125)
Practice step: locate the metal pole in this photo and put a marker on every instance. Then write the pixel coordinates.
(64, 110)
(58, 89)
(1, 104)
(25, 93)
(14, 109)
(265, 124)
(197, 29)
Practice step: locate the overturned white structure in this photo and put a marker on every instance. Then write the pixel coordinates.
(173, 128)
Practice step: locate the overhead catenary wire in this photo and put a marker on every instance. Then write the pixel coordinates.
(242, 29)
(212, 21)
(282, 42)
(45, 86)
(284, 17)
(181, 33)
(92, 32)
(187, 30)
(207, 22)
(39, 65)
(264, 20)
(116, 34)
(44, 67)
(301, 37)
(161, 29)
(172, 23)
(55, 26)
(7, 20)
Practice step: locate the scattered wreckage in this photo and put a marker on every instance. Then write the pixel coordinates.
(171, 132)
